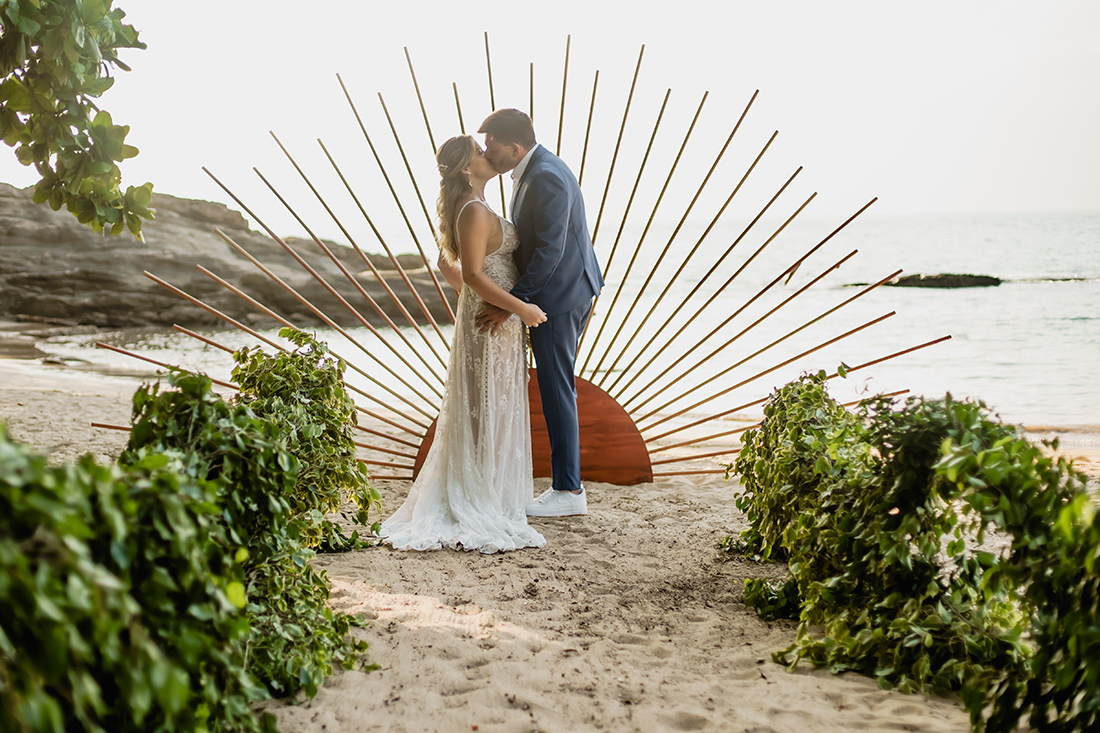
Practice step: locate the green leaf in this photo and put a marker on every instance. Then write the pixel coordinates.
(92, 11)
(236, 595)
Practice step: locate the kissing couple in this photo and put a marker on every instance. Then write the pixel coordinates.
(539, 271)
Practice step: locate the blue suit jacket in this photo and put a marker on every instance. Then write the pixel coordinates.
(555, 258)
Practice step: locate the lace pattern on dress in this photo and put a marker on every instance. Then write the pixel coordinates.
(476, 481)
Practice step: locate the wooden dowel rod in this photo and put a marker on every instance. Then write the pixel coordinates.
(350, 277)
(493, 105)
(656, 265)
(738, 312)
(622, 225)
(423, 208)
(715, 471)
(380, 434)
(272, 314)
(681, 459)
(397, 264)
(683, 219)
(213, 311)
(781, 339)
(420, 99)
(711, 418)
(618, 144)
(765, 372)
(381, 418)
(380, 449)
(279, 347)
(389, 185)
(237, 324)
(294, 254)
(370, 462)
(755, 425)
(680, 359)
(409, 477)
(676, 231)
(564, 80)
(588, 127)
(339, 329)
(895, 354)
(636, 375)
(834, 375)
(458, 106)
(531, 93)
(489, 69)
(123, 428)
(206, 340)
(124, 352)
(714, 268)
(362, 255)
(704, 439)
(794, 268)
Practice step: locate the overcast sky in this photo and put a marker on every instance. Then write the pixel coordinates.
(932, 106)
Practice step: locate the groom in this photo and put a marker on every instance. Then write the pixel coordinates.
(559, 273)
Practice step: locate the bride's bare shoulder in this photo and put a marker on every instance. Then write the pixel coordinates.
(473, 209)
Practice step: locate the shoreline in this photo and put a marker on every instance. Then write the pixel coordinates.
(629, 618)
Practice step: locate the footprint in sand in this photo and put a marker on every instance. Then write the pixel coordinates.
(744, 668)
(683, 720)
(628, 639)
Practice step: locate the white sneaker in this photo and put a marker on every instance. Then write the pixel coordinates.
(558, 504)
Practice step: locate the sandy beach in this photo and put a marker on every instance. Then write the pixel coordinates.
(628, 620)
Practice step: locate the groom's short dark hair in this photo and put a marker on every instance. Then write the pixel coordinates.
(509, 126)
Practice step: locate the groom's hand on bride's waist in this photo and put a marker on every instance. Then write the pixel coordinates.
(490, 318)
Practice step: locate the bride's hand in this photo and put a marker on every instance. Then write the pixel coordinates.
(532, 315)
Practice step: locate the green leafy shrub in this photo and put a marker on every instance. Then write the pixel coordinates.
(173, 590)
(296, 640)
(879, 513)
(303, 392)
(120, 607)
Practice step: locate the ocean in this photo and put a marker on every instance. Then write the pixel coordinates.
(1029, 348)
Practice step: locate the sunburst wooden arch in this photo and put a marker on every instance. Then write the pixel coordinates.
(629, 401)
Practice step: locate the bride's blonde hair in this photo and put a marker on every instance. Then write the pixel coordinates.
(452, 158)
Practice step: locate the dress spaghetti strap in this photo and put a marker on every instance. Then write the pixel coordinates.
(486, 205)
(463, 208)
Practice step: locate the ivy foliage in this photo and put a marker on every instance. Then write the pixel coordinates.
(55, 60)
(172, 591)
(882, 514)
(276, 497)
(121, 600)
(303, 391)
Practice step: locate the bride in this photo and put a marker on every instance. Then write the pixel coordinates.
(476, 481)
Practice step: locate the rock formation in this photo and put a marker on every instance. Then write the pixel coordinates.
(946, 280)
(55, 270)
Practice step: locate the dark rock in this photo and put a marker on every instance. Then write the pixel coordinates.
(54, 269)
(946, 280)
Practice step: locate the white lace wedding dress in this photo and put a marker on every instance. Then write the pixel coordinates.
(476, 481)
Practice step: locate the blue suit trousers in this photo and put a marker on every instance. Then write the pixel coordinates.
(554, 344)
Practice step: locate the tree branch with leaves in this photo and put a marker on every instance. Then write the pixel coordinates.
(56, 58)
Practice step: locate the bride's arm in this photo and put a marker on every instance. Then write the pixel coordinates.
(474, 226)
(452, 272)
